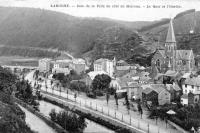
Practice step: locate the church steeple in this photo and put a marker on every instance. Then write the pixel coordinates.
(170, 34)
(170, 47)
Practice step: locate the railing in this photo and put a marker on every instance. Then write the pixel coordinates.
(113, 113)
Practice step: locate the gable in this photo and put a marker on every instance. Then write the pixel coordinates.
(184, 54)
(159, 54)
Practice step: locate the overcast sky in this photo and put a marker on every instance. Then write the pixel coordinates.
(128, 14)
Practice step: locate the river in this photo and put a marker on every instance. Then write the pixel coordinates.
(35, 123)
(92, 127)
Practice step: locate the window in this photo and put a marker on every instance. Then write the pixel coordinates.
(179, 62)
(185, 91)
(192, 86)
(158, 63)
(184, 62)
(198, 89)
(185, 85)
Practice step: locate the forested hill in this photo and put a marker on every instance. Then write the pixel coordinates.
(184, 23)
(42, 28)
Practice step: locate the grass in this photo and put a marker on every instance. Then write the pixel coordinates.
(18, 60)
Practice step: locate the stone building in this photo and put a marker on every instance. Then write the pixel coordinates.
(170, 58)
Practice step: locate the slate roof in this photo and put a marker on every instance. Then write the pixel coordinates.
(153, 87)
(101, 60)
(173, 87)
(176, 87)
(122, 62)
(158, 87)
(147, 90)
(183, 54)
(162, 52)
(170, 34)
(120, 73)
(193, 81)
(184, 96)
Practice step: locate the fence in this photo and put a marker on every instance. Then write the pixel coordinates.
(113, 113)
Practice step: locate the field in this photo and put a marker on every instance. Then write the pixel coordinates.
(18, 61)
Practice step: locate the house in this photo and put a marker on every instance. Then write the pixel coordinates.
(184, 99)
(127, 85)
(190, 99)
(170, 58)
(156, 93)
(142, 77)
(191, 85)
(45, 65)
(105, 65)
(61, 66)
(78, 65)
(134, 91)
(175, 91)
(123, 65)
(149, 95)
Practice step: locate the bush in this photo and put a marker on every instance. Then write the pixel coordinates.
(91, 94)
(68, 120)
(99, 93)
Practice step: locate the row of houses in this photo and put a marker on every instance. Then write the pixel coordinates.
(138, 83)
(62, 65)
(191, 90)
(134, 80)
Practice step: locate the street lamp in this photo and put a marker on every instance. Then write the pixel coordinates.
(170, 112)
(157, 108)
(193, 130)
(67, 93)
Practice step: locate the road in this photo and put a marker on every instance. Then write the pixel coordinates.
(120, 113)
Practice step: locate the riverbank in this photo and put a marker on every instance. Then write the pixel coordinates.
(48, 121)
(101, 119)
(92, 127)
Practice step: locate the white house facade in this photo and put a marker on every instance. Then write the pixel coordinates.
(191, 85)
(104, 65)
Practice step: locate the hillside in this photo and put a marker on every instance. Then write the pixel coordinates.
(183, 24)
(92, 38)
(120, 43)
(29, 27)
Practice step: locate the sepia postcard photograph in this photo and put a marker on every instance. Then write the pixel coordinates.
(99, 66)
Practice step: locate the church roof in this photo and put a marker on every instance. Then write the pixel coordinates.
(183, 54)
(162, 52)
(180, 54)
(170, 35)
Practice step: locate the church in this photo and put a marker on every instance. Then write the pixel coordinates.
(170, 58)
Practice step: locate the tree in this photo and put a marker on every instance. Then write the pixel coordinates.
(107, 97)
(53, 115)
(68, 120)
(127, 103)
(12, 117)
(116, 98)
(101, 82)
(36, 74)
(51, 83)
(7, 79)
(140, 108)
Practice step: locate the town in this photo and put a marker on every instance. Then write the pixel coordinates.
(118, 67)
(164, 96)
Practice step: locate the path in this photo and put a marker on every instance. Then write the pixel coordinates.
(121, 113)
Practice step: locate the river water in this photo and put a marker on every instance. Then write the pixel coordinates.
(92, 127)
(35, 123)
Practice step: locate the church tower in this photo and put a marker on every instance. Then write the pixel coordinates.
(170, 48)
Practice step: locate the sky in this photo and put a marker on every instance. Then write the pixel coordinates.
(137, 10)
